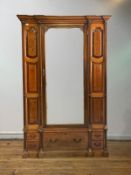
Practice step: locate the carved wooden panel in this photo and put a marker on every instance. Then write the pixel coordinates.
(31, 74)
(97, 77)
(33, 136)
(97, 135)
(97, 110)
(97, 144)
(97, 85)
(32, 145)
(33, 111)
(31, 43)
(97, 45)
(32, 77)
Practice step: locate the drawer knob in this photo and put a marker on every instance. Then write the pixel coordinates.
(53, 141)
(77, 140)
(97, 144)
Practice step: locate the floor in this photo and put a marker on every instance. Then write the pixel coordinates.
(12, 163)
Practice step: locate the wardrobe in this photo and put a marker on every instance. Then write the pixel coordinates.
(42, 139)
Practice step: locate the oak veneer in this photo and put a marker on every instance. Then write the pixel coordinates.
(41, 139)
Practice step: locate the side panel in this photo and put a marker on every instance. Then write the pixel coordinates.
(97, 87)
(31, 76)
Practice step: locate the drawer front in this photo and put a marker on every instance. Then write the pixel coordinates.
(97, 135)
(98, 144)
(33, 136)
(65, 141)
(32, 145)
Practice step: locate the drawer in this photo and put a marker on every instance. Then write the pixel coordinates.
(65, 141)
(32, 145)
(98, 144)
(33, 136)
(97, 135)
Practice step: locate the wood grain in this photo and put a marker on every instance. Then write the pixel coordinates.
(12, 163)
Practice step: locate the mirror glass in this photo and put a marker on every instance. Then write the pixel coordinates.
(64, 76)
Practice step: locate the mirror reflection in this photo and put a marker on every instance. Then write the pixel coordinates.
(64, 76)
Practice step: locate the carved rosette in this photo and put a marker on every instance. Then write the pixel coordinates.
(31, 42)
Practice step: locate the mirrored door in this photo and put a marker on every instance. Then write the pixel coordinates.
(64, 76)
